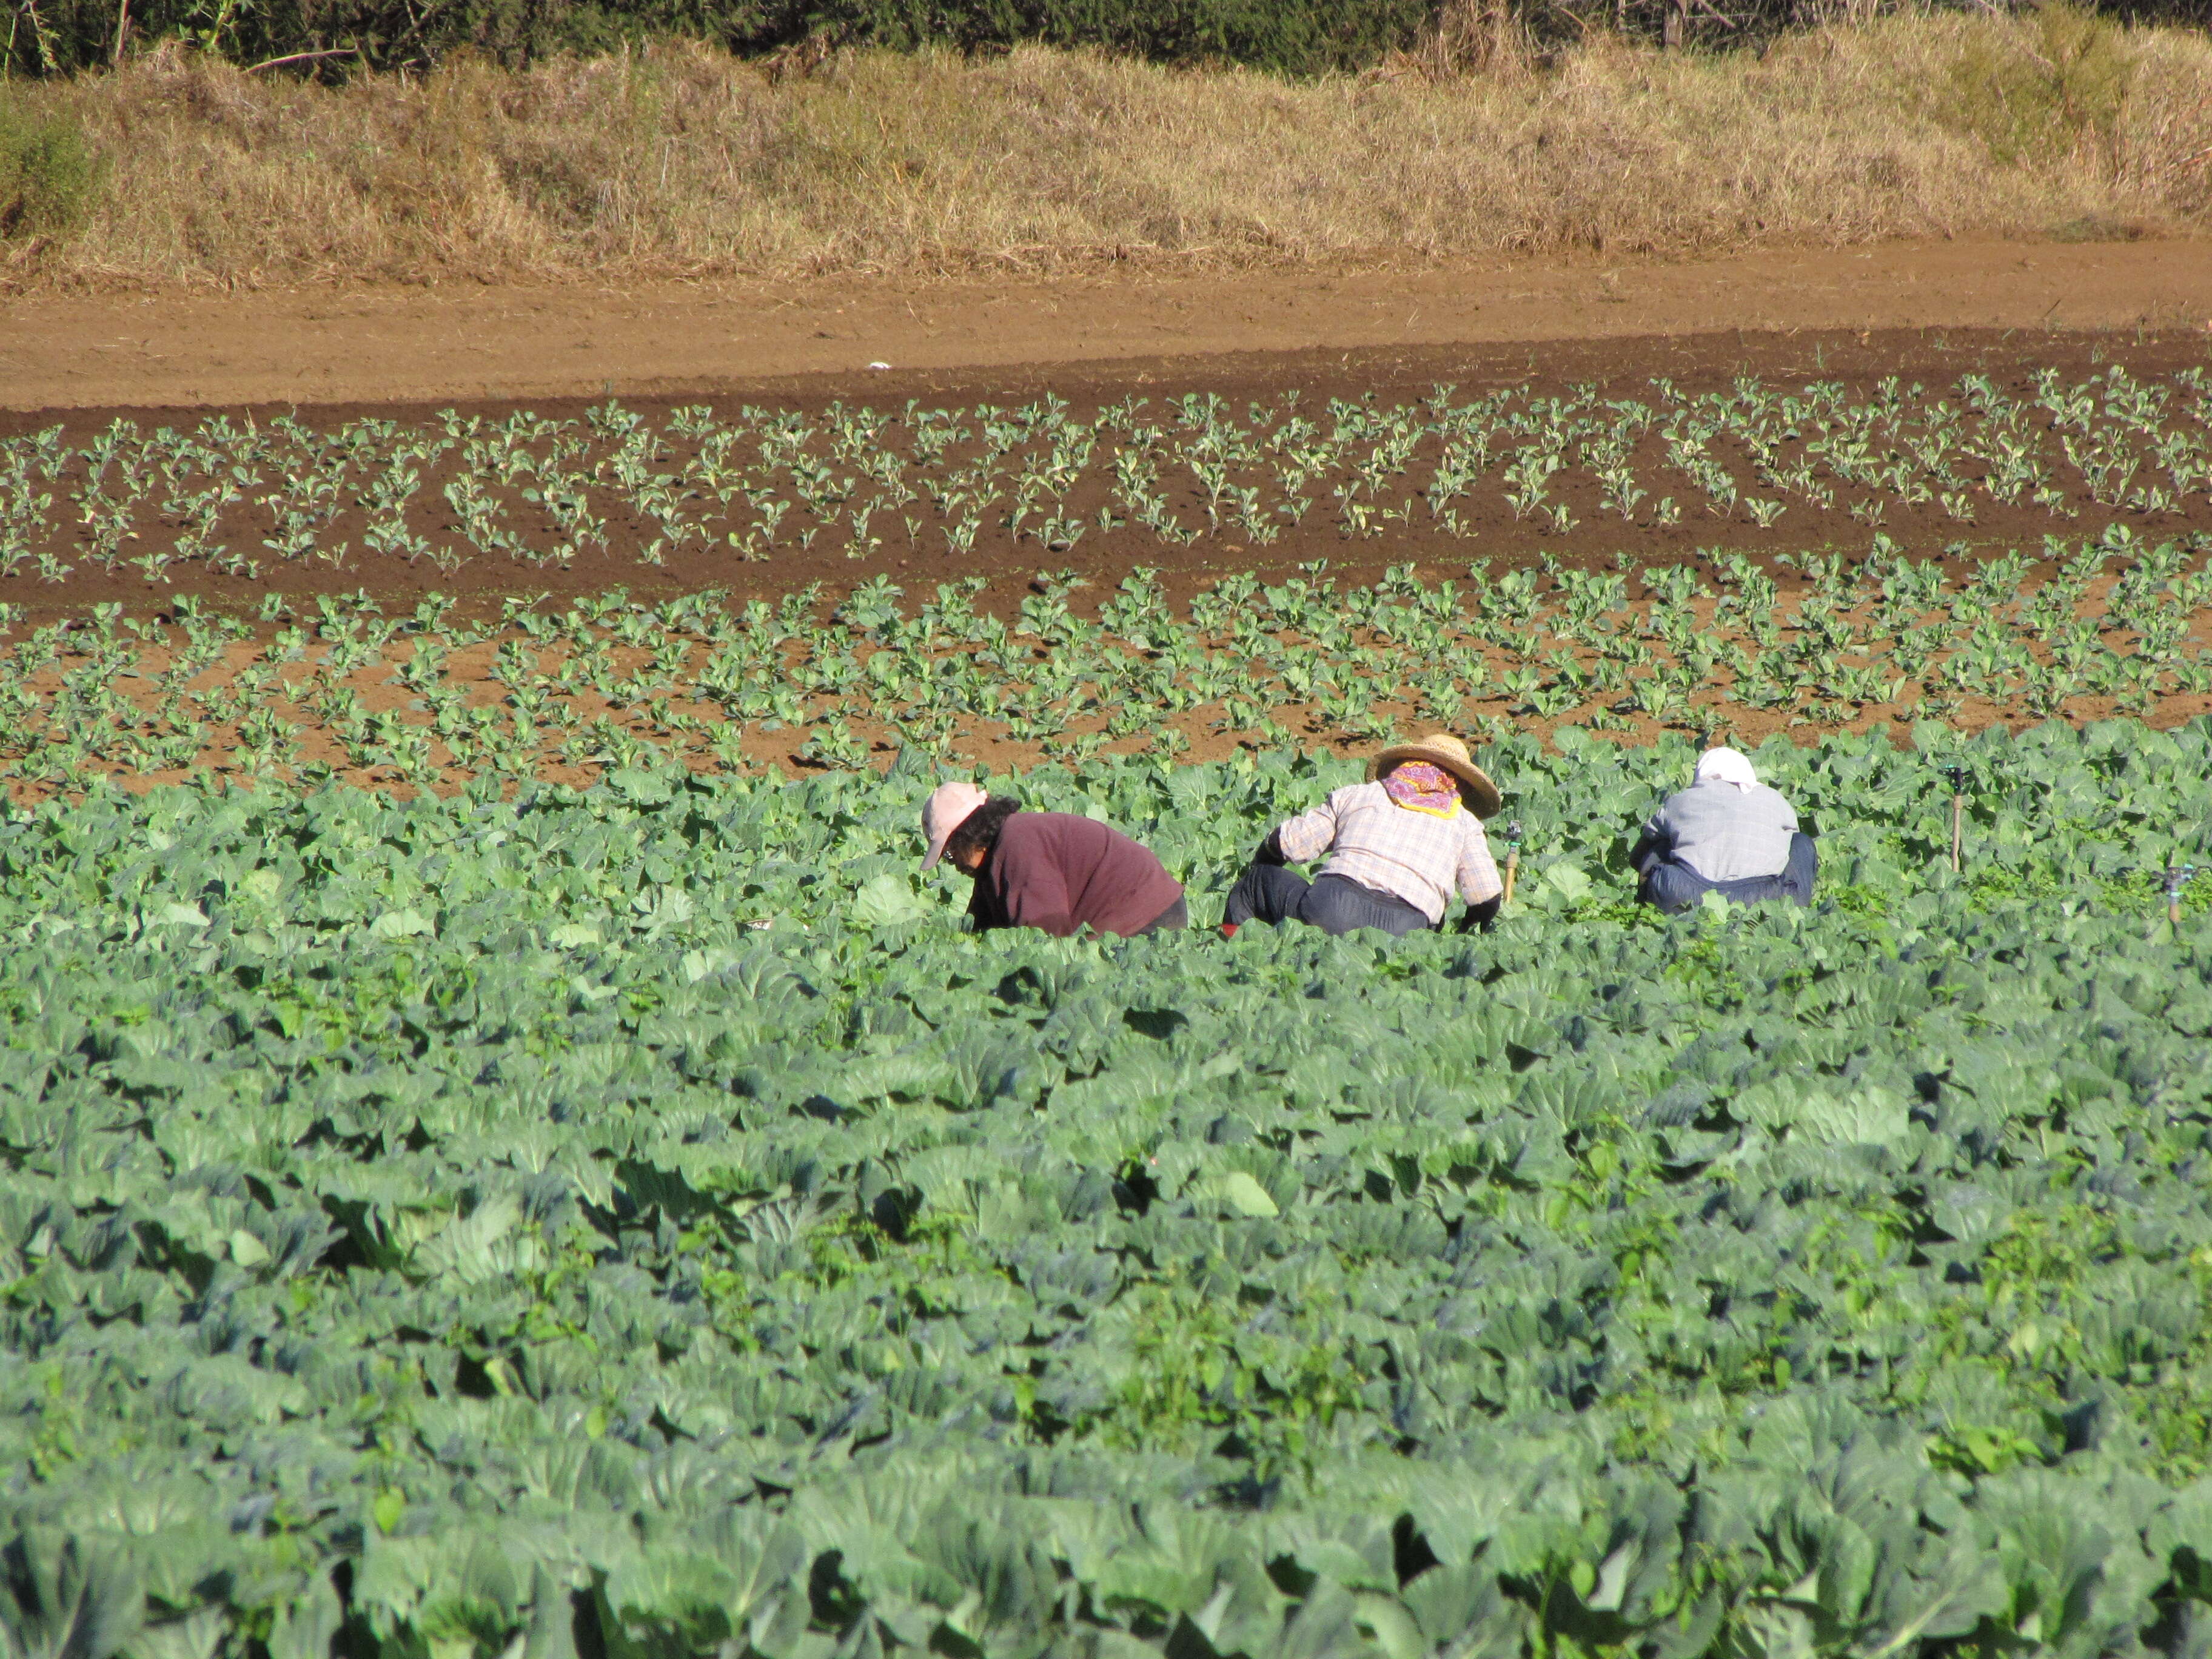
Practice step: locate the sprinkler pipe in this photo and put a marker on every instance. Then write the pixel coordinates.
(1958, 815)
(2177, 879)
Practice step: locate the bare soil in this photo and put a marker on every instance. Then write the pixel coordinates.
(444, 343)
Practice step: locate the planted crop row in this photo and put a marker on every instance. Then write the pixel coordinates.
(243, 498)
(1727, 643)
(637, 1222)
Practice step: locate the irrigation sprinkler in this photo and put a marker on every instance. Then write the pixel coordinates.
(2176, 881)
(1512, 858)
(1958, 776)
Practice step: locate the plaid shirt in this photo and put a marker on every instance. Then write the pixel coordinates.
(1415, 856)
(1723, 833)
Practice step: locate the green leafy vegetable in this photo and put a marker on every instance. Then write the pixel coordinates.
(641, 1221)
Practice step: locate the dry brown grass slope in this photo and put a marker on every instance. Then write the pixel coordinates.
(682, 160)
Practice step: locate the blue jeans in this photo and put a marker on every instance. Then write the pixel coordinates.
(1675, 887)
(1335, 904)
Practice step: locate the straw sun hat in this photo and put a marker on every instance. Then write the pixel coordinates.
(1441, 749)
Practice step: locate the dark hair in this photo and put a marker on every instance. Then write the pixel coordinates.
(978, 831)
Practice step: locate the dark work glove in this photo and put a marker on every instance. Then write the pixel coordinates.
(1482, 915)
(1271, 849)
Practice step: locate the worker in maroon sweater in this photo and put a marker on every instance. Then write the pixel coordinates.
(1052, 871)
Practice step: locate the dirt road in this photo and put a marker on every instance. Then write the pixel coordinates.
(435, 343)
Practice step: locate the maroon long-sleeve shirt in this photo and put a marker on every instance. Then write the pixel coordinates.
(1058, 872)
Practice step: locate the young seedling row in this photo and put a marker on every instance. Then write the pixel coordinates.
(253, 500)
(2081, 629)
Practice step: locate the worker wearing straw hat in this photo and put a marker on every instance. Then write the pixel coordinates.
(1393, 849)
(1728, 834)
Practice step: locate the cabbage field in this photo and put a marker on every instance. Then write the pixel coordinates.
(445, 695)
(636, 1223)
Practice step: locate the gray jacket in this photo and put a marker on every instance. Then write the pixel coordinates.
(1725, 833)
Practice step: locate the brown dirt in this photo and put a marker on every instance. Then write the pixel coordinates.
(444, 343)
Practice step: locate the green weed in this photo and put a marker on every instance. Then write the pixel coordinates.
(49, 177)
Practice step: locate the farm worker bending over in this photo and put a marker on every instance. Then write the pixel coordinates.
(1396, 846)
(1728, 833)
(1053, 870)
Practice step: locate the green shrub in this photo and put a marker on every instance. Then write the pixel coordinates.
(2031, 99)
(49, 175)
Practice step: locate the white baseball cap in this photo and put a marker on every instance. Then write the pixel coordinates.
(945, 811)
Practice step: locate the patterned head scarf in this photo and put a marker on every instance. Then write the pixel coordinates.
(1726, 766)
(1420, 787)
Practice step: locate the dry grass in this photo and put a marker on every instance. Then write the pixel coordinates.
(684, 161)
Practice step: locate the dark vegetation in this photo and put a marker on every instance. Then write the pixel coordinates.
(1291, 37)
